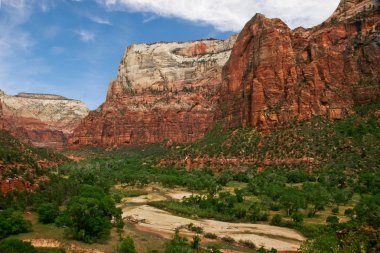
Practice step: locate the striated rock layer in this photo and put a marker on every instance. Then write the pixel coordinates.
(163, 92)
(39, 119)
(175, 92)
(276, 75)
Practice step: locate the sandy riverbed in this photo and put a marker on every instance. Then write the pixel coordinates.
(159, 221)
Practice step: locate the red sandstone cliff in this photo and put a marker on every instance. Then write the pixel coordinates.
(40, 120)
(168, 91)
(276, 75)
(163, 92)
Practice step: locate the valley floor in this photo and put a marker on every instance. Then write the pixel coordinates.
(164, 223)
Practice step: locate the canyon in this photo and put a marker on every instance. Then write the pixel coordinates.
(269, 75)
(41, 120)
(266, 77)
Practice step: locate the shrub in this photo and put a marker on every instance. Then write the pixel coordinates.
(228, 239)
(196, 243)
(16, 246)
(127, 246)
(298, 217)
(335, 210)
(215, 248)
(276, 220)
(177, 244)
(12, 222)
(349, 212)
(47, 213)
(210, 236)
(332, 219)
(248, 244)
(196, 229)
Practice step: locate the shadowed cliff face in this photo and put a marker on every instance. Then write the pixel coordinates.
(276, 75)
(40, 120)
(163, 92)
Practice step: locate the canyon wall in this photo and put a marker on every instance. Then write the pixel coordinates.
(163, 92)
(39, 119)
(176, 92)
(276, 75)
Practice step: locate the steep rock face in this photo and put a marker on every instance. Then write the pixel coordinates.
(41, 120)
(163, 92)
(350, 8)
(277, 75)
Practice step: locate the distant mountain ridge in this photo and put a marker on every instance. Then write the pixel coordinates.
(43, 120)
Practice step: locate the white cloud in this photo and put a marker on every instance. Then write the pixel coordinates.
(99, 20)
(86, 36)
(149, 19)
(231, 15)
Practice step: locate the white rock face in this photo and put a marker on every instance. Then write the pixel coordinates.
(171, 66)
(39, 119)
(55, 110)
(163, 92)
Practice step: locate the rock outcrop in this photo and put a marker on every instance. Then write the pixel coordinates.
(40, 120)
(277, 75)
(175, 92)
(163, 92)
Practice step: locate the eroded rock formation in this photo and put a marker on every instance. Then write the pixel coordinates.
(40, 120)
(175, 92)
(277, 75)
(163, 92)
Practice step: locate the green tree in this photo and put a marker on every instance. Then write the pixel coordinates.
(177, 244)
(16, 246)
(368, 210)
(317, 196)
(127, 246)
(12, 222)
(323, 243)
(89, 215)
(292, 199)
(47, 213)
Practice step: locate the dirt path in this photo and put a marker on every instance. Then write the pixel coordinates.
(159, 221)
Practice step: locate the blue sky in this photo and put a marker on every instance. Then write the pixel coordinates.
(73, 47)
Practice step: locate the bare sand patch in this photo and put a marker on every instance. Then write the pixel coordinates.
(179, 195)
(153, 219)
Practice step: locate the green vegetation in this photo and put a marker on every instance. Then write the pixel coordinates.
(16, 246)
(177, 244)
(127, 246)
(88, 216)
(47, 213)
(321, 178)
(12, 151)
(319, 145)
(12, 222)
